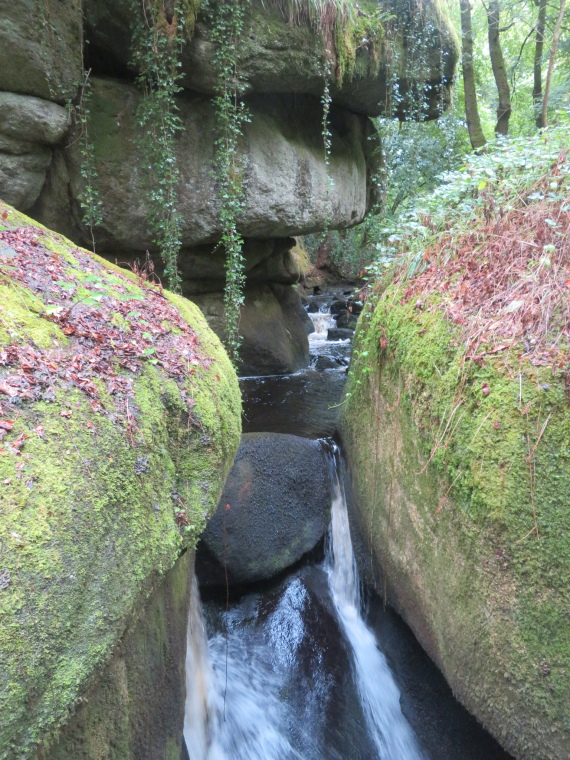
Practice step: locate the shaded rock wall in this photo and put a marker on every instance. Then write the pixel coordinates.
(135, 709)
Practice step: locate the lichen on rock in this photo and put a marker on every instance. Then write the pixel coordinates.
(120, 418)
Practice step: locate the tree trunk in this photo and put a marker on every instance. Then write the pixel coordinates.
(553, 49)
(538, 53)
(499, 69)
(471, 109)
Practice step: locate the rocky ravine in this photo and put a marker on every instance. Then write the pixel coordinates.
(287, 192)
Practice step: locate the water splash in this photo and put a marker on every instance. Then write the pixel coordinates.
(379, 695)
(233, 706)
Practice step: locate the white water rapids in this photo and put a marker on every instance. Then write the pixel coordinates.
(322, 321)
(235, 705)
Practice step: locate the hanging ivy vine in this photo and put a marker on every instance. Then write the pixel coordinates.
(158, 32)
(89, 200)
(227, 21)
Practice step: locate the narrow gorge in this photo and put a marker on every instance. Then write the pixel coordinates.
(229, 524)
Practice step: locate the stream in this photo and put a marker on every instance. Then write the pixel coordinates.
(306, 666)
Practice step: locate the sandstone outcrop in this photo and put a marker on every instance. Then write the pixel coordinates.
(288, 188)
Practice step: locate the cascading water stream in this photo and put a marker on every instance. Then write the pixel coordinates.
(232, 711)
(379, 695)
(235, 705)
(322, 321)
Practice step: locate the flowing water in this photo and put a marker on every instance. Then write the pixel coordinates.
(322, 321)
(379, 695)
(239, 704)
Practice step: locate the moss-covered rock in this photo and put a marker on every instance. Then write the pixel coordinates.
(135, 708)
(462, 476)
(111, 460)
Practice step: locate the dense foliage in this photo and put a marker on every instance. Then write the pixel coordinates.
(418, 155)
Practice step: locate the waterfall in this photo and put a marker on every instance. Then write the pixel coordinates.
(200, 708)
(233, 710)
(379, 695)
(322, 321)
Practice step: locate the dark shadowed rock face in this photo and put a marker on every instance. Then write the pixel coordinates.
(135, 710)
(274, 337)
(279, 500)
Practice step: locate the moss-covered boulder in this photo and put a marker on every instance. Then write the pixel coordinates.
(461, 469)
(119, 421)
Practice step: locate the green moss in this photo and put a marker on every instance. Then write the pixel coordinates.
(453, 483)
(19, 318)
(89, 519)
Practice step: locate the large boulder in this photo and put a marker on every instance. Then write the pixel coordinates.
(41, 48)
(274, 509)
(278, 53)
(119, 421)
(28, 127)
(461, 470)
(286, 182)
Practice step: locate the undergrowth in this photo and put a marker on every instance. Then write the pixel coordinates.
(491, 248)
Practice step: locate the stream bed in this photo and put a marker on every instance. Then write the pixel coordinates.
(306, 666)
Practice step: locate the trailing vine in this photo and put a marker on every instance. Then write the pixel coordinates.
(231, 114)
(326, 101)
(158, 33)
(89, 196)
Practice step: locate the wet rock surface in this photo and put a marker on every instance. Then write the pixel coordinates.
(274, 509)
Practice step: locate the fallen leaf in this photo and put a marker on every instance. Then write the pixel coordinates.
(65, 413)
(6, 424)
(20, 441)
